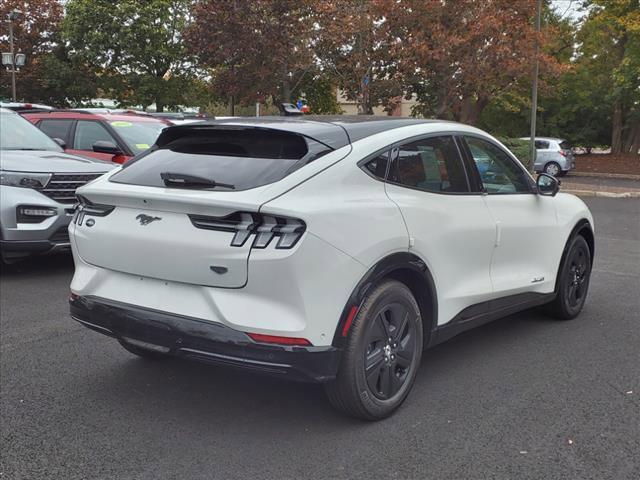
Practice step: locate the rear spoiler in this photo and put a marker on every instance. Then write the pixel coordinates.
(333, 136)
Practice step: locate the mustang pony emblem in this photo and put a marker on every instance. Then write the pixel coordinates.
(146, 219)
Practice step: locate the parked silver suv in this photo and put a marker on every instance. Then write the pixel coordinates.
(554, 156)
(37, 188)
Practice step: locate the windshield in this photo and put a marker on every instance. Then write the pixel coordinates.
(138, 136)
(16, 133)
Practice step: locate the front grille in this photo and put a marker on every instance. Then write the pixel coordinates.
(62, 186)
(61, 236)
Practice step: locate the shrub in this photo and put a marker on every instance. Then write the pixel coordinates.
(520, 148)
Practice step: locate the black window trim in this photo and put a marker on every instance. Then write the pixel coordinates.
(452, 135)
(471, 161)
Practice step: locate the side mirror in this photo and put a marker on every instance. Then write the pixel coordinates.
(60, 142)
(547, 185)
(103, 146)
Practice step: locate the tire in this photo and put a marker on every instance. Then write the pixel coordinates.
(386, 335)
(573, 282)
(143, 352)
(552, 168)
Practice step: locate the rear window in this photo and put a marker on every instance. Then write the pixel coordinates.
(565, 145)
(225, 160)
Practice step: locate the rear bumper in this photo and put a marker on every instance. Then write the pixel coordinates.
(203, 341)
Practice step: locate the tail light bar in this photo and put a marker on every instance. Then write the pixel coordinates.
(86, 207)
(263, 227)
(562, 152)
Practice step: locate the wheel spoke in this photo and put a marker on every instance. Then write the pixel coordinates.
(373, 378)
(385, 381)
(398, 334)
(404, 358)
(374, 359)
(396, 381)
(379, 330)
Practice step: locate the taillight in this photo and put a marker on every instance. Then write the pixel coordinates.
(263, 228)
(562, 153)
(85, 207)
(261, 338)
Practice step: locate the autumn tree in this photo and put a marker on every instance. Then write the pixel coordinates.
(459, 56)
(353, 49)
(253, 49)
(50, 75)
(135, 46)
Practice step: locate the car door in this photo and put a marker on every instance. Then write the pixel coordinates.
(528, 246)
(88, 132)
(450, 226)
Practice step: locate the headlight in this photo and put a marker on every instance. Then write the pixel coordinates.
(24, 179)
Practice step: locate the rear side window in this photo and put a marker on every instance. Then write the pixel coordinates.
(377, 166)
(225, 160)
(542, 145)
(56, 128)
(431, 164)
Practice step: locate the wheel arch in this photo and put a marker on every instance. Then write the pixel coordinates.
(406, 268)
(582, 227)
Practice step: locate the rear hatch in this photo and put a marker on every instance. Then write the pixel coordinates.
(187, 211)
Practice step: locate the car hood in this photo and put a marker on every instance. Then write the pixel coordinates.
(50, 162)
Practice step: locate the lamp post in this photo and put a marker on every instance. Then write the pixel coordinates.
(13, 61)
(534, 91)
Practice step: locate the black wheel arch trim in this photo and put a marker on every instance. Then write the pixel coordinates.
(392, 266)
(582, 225)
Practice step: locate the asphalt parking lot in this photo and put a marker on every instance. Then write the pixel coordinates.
(523, 397)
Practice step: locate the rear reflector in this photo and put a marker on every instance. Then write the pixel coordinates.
(258, 337)
(349, 321)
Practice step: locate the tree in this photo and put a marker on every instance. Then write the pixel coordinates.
(253, 49)
(610, 53)
(352, 47)
(459, 56)
(136, 47)
(49, 76)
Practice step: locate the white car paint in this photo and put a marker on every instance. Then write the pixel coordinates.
(477, 246)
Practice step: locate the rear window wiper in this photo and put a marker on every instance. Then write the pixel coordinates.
(191, 181)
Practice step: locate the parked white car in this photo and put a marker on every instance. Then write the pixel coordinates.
(330, 250)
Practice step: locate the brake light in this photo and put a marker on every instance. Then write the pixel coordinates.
(562, 153)
(264, 228)
(86, 207)
(260, 338)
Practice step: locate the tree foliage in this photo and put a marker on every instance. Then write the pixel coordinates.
(252, 49)
(135, 46)
(50, 75)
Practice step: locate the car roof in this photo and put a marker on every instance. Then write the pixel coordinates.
(6, 110)
(77, 114)
(333, 131)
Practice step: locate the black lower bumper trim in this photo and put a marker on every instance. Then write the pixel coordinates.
(203, 341)
(31, 246)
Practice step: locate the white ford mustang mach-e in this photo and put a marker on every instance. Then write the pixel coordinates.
(331, 250)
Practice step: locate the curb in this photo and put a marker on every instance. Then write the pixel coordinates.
(628, 176)
(594, 193)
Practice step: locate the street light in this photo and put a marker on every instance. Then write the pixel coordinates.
(10, 60)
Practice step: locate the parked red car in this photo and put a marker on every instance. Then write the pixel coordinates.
(114, 137)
